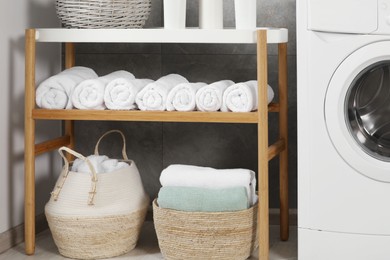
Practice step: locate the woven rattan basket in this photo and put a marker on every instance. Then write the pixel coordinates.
(206, 235)
(93, 215)
(103, 13)
(96, 237)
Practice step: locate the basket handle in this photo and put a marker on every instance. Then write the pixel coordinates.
(65, 173)
(124, 154)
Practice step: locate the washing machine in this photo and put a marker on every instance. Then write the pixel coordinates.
(343, 99)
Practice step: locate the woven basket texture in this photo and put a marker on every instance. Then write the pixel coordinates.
(96, 237)
(97, 14)
(206, 235)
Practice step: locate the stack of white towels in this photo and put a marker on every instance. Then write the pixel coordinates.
(81, 88)
(205, 189)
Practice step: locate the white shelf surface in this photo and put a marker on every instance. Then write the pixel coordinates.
(159, 35)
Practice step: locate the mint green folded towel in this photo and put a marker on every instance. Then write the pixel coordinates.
(203, 199)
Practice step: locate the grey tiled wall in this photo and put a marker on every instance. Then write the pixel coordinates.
(154, 146)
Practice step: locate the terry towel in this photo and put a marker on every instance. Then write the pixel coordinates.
(206, 177)
(203, 199)
(209, 97)
(120, 93)
(100, 163)
(242, 97)
(154, 95)
(56, 91)
(182, 97)
(89, 94)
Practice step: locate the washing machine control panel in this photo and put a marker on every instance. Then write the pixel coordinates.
(349, 16)
(346, 16)
(383, 17)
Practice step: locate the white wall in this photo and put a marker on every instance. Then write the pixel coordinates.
(15, 16)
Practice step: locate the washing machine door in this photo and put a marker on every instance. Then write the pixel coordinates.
(357, 110)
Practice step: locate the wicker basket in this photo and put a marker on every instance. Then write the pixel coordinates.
(96, 237)
(206, 235)
(94, 215)
(103, 13)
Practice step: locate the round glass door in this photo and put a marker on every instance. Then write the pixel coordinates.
(368, 110)
(357, 110)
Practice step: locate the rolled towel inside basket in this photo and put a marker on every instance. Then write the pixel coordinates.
(183, 96)
(203, 199)
(206, 177)
(154, 95)
(101, 164)
(209, 98)
(89, 94)
(56, 91)
(120, 93)
(242, 97)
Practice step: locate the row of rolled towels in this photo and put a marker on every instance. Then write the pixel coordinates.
(204, 189)
(80, 87)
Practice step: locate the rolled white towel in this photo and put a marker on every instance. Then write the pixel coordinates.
(242, 97)
(120, 93)
(209, 98)
(154, 95)
(206, 177)
(182, 97)
(89, 94)
(56, 91)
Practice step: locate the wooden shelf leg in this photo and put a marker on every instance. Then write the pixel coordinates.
(283, 132)
(29, 143)
(69, 124)
(262, 133)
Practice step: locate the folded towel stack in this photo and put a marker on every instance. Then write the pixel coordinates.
(206, 189)
(101, 164)
(154, 95)
(203, 199)
(56, 91)
(89, 94)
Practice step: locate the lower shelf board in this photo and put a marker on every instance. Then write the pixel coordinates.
(153, 116)
(137, 115)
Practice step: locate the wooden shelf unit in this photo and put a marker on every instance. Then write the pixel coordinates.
(261, 36)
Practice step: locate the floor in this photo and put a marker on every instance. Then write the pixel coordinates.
(147, 248)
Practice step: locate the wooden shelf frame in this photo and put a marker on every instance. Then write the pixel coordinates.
(262, 37)
(155, 116)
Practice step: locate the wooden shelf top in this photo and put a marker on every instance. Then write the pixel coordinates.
(159, 35)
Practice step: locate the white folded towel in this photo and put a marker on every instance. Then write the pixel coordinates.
(56, 91)
(209, 98)
(154, 95)
(242, 97)
(120, 93)
(206, 177)
(89, 94)
(182, 97)
(100, 163)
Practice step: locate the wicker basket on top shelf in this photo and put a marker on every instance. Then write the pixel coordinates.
(95, 14)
